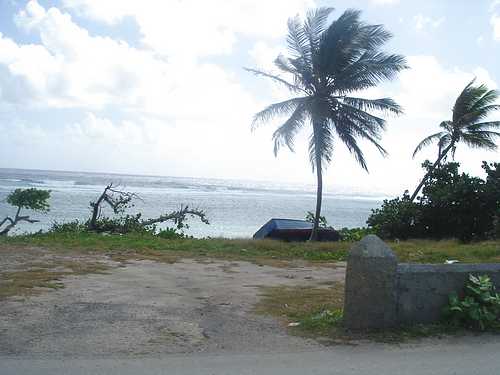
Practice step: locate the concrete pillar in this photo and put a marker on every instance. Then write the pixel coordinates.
(370, 289)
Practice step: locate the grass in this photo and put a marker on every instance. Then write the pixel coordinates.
(152, 247)
(28, 281)
(316, 312)
(258, 251)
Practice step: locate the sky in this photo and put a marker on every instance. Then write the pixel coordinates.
(159, 87)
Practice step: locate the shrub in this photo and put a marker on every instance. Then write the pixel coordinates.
(493, 190)
(452, 205)
(30, 199)
(456, 205)
(122, 225)
(69, 227)
(171, 234)
(354, 234)
(479, 308)
(397, 218)
(323, 223)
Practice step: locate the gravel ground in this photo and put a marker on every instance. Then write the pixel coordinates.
(149, 308)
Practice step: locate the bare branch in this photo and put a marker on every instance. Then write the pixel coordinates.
(117, 199)
(178, 217)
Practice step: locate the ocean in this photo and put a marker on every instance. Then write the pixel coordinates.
(235, 208)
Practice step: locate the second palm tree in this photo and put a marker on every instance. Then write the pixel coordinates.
(469, 125)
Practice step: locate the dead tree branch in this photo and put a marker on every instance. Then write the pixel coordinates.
(117, 199)
(179, 217)
(120, 200)
(14, 222)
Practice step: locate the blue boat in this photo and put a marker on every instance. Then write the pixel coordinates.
(293, 230)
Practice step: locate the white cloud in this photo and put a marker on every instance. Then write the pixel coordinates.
(428, 89)
(171, 112)
(191, 28)
(384, 2)
(426, 22)
(264, 55)
(495, 23)
(72, 69)
(183, 114)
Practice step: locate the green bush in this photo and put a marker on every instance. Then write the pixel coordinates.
(354, 234)
(171, 234)
(452, 205)
(478, 309)
(119, 225)
(397, 218)
(69, 227)
(323, 223)
(31, 199)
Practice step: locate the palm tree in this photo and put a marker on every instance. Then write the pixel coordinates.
(468, 125)
(326, 66)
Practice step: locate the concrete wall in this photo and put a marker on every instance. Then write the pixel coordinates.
(381, 293)
(423, 289)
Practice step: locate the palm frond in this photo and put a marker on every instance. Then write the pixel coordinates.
(370, 123)
(276, 78)
(369, 70)
(297, 40)
(428, 140)
(481, 139)
(384, 105)
(465, 102)
(347, 137)
(349, 52)
(335, 48)
(285, 134)
(447, 126)
(283, 63)
(314, 25)
(277, 109)
(373, 139)
(371, 37)
(483, 126)
(353, 124)
(477, 114)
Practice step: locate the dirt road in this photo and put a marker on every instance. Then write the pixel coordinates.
(149, 308)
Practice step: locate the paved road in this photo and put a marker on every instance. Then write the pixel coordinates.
(471, 357)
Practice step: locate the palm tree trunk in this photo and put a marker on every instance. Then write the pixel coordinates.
(438, 161)
(319, 198)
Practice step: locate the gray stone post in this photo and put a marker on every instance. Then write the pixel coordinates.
(370, 289)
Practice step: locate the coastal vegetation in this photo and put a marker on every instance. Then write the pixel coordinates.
(452, 205)
(119, 201)
(327, 67)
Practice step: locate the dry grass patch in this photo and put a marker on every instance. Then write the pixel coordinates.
(34, 277)
(317, 310)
